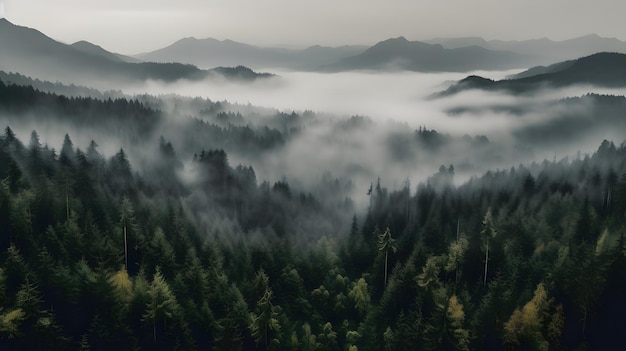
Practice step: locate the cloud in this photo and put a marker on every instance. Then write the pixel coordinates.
(395, 104)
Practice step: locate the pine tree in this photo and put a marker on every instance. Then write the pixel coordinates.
(533, 325)
(456, 318)
(11, 323)
(160, 253)
(129, 226)
(162, 305)
(122, 286)
(265, 321)
(386, 243)
(360, 295)
(308, 340)
(487, 233)
(456, 252)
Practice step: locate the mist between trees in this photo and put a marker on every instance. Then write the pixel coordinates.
(183, 223)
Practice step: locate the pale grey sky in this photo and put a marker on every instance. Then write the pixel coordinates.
(134, 26)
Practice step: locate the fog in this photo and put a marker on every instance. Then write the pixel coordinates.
(383, 144)
(398, 104)
(400, 96)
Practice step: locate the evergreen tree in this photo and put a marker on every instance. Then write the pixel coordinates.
(162, 305)
(487, 233)
(386, 244)
(265, 321)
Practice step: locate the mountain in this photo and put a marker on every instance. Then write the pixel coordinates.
(94, 49)
(239, 73)
(541, 51)
(32, 53)
(455, 43)
(207, 53)
(401, 54)
(537, 70)
(602, 69)
(545, 50)
(438, 54)
(202, 52)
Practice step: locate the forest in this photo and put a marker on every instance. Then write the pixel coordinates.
(183, 250)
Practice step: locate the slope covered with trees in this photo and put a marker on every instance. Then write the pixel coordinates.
(180, 248)
(603, 69)
(95, 256)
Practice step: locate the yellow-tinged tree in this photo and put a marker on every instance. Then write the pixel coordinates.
(456, 318)
(360, 295)
(456, 252)
(294, 343)
(352, 336)
(534, 325)
(445, 329)
(328, 337)
(309, 340)
(10, 323)
(429, 278)
(122, 285)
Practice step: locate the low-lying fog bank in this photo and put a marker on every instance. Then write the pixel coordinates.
(357, 126)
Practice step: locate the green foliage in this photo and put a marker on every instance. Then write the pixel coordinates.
(308, 341)
(360, 295)
(531, 258)
(10, 323)
(28, 300)
(429, 278)
(3, 290)
(122, 286)
(386, 243)
(487, 233)
(161, 254)
(162, 304)
(327, 337)
(265, 327)
(529, 326)
(456, 319)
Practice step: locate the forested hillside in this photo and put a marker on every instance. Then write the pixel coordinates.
(97, 254)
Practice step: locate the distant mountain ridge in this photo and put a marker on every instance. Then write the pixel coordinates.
(541, 51)
(94, 49)
(211, 52)
(439, 54)
(402, 54)
(602, 69)
(394, 54)
(30, 52)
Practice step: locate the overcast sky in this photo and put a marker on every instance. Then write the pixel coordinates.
(134, 26)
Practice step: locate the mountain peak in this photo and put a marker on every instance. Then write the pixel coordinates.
(402, 45)
(83, 42)
(399, 39)
(188, 39)
(590, 36)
